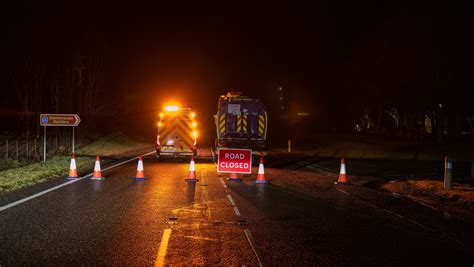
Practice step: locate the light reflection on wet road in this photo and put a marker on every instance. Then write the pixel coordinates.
(122, 222)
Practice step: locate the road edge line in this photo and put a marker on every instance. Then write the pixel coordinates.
(251, 241)
(10, 205)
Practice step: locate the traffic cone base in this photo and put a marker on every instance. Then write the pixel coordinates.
(233, 177)
(73, 169)
(261, 174)
(192, 172)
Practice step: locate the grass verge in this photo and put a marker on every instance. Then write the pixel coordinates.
(457, 202)
(16, 178)
(18, 174)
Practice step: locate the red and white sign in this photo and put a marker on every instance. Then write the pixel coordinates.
(234, 160)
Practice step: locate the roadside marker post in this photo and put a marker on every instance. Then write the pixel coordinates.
(471, 124)
(448, 173)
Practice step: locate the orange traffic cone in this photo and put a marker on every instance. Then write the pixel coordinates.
(261, 173)
(140, 175)
(192, 172)
(97, 172)
(73, 168)
(342, 173)
(233, 177)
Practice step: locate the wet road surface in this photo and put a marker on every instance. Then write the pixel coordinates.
(166, 220)
(379, 168)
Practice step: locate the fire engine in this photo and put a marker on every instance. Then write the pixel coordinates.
(177, 132)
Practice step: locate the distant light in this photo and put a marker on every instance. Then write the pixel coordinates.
(194, 124)
(195, 133)
(193, 115)
(161, 115)
(302, 114)
(279, 88)
(171, 108)
(159, 124)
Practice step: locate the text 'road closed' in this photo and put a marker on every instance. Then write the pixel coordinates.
(234, 161)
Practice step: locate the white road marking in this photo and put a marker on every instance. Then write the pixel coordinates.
(249, 236)
(160, 258)
(342, 191)
(223, 183)
(237, 212)
(231, 200)
(2, 208)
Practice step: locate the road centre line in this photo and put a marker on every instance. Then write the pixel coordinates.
(223, 183)
(160, 258)
(2, 208)
(251, 241)
(231, 200)
(237, 212)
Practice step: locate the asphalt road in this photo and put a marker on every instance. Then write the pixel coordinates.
(380, 168)
(166, 220)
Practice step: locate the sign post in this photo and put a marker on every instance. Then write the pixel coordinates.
(71, 120)
(471, 124)
(234, 160)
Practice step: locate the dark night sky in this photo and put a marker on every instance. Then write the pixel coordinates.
(330, 57)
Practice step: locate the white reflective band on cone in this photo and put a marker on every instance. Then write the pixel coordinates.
(73, 164)
(343, 169)
(260, 169)
(140, 166)
(191, 166)
(97, 166)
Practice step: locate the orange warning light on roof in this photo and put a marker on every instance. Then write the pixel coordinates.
(171, 108)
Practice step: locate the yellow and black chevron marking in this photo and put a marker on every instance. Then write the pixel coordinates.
(239, 123)
(261, 125)
(244, 123)
(222, 123)
(178, 126)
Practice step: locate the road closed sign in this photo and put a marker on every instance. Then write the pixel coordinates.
(234, 160)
